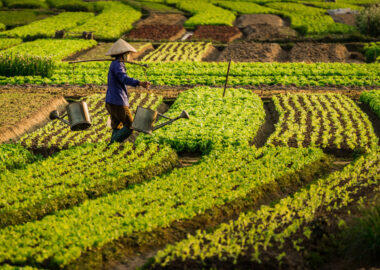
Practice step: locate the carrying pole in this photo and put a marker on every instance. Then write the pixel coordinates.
(228, 72)
(100, 60)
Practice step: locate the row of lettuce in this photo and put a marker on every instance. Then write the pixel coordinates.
(195, 197)
(196, 73)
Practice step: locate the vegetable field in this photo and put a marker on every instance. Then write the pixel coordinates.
(277, 165)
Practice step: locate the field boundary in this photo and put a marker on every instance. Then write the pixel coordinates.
(32, 122)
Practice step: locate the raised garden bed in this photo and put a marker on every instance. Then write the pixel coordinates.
(157, 32)
(318, 52)
(167, 19)
(267, 32)
(253, 52)
(21, 112)
(220, 33)
(254, 19)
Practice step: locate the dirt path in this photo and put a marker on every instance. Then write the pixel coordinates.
(271, 118)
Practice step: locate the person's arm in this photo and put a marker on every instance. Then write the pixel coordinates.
(122, 76)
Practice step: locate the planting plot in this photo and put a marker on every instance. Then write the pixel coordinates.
(157, 32)
(56, 49)
(330, 121)
(372, 99)
(310, 20)
(214, 120)
(267, 32)
(258, 19)
(14, 156)
(152, 7)
(12, 18)
(217, 33)
(245, 7)
(179, 51)
(56, 135)
(209, 188)
(205, 13)
(25, 3)
(195, 73)
(132, 214)
(71, 5)
(9, 42)
(280, 235)
(75, 175)
(47, 27)
(99, 51)
(253, 52)
(166, 19)
(20, 111)
(316, 52)
(114, 20)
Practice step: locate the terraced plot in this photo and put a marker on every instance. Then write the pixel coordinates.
(330, 121)
(56, 135)
(275, 235)
(75, 175)
(179, 51)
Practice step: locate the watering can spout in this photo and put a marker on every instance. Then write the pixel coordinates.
(145, 118)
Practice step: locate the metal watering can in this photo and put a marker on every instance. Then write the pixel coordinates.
(77, 112)
(145, 118)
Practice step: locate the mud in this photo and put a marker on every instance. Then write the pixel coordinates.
(167, 19)
(319, 52)
(218, 33)
(253, 52)
(157, 32)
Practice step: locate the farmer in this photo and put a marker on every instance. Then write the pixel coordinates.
(117, 102)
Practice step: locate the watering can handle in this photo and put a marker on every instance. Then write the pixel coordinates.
(164, 116)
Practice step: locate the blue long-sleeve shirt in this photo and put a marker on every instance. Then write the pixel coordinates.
(117, 81)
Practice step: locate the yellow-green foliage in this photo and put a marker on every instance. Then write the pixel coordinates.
(47, 27)
(115, 19)
(56, 49)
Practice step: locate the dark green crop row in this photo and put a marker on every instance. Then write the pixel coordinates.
(192, 73)
(74, 175)
(63, 237)
(372, 98)
(275, 235)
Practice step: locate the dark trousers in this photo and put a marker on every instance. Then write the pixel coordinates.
(121, 122)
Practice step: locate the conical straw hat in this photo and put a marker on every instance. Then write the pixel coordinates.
(119, 47)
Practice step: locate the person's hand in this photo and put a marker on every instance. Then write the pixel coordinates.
(145, 84)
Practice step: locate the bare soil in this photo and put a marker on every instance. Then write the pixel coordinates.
(267, 32)
(157, 32)
(219, 33)
(101, 49)
(349, 19)
(254, 52)
(24, 112)
(319, 52)
(167, 19)
(255, 19)
(171, 92)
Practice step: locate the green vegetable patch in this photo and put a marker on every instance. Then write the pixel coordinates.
(160, 210)
(215, 121)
